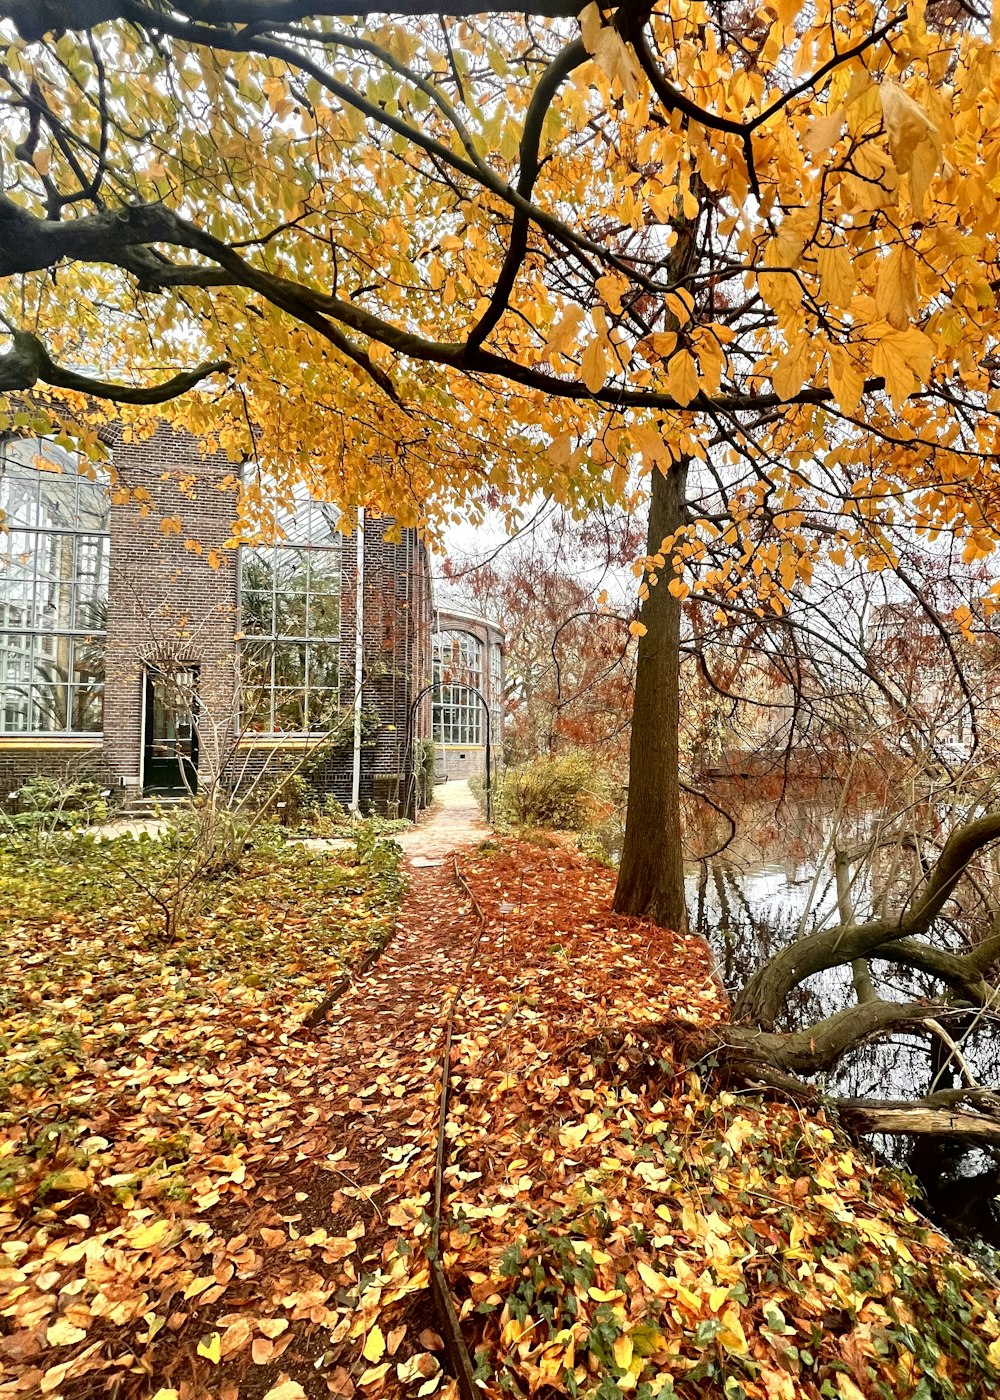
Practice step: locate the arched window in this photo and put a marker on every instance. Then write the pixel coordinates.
(290, 617)
(53, 591)
(458, 674)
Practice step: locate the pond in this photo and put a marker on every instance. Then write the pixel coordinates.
(775, 881)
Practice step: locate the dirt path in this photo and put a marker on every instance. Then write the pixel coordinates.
(381, 1049)
(394, 1013)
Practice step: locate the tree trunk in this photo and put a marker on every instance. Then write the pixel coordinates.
(651, 875)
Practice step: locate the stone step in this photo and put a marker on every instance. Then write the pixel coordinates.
(152, 804)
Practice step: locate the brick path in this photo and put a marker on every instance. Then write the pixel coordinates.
(454, 821)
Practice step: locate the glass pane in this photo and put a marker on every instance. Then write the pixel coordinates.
(290, 570)
(51, 659)
(173, 703)
(258, 613)
(91, 571)
(291, 592)
(293, 523)
(16, 549)
(15, 659)
(324, 666)
(92, 616)
(289, 663)
(256, 569)
(53, 606)
(324, 523)
(255, 709)
(323, 709)
(16, 580)
(18, 494)
(324, 615)
(324, 571)
(290, 614)
(14, 709)
(57, 499)
(94, 507)
(288, 711)
(88, 662)
(88, 704)
(49, 708)
(53, 582)
(256, 663)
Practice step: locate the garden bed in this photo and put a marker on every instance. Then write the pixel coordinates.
(147, 1081)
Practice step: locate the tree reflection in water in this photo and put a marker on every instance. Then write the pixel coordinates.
(776, 881)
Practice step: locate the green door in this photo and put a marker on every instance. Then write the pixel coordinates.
(171, 748)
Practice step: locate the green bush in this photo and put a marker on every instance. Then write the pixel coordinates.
(564, 791)
(286, 799)
(49, 804)
(323, 815)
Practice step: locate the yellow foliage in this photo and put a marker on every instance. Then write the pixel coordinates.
(429, 274)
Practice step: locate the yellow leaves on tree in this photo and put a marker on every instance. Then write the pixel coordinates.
(896, 297)
(682, 377)
(837, 278)
(914, 141)
(904, 359)
(639, 233)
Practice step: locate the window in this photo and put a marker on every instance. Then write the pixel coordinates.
(53, 591)
(290, 617)
(496, 693)
(458, 674)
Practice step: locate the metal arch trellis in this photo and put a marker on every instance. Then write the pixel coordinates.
(411, 715)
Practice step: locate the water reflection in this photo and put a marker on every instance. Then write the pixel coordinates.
(775, 882)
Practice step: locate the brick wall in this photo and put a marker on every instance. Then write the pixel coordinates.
(167, 605)
(66, 762)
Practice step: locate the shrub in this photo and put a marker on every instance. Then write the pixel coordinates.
(323, 815)
(48, 804)
(426, 755)
(564, 791)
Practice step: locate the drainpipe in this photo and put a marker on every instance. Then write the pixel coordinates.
(359, 666)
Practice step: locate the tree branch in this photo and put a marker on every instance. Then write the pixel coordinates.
(36, 18)
(765, 994)
(558, 70)
(28, 363)
(898, 1117)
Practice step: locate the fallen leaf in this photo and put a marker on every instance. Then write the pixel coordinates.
(339, 1383)
(286, 1390)
(148, 1235)
(211, 1348)
(64, 1334)
(261, 1351)
(374, 1347)
(421, 1367)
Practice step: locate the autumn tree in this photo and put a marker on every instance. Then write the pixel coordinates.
(560, 590)
(751, 254)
